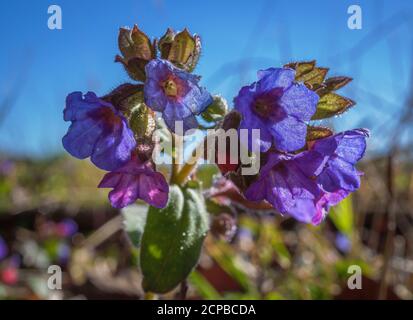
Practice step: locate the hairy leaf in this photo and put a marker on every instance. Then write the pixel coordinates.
(172, 240)
(216, 110)
(134, 222)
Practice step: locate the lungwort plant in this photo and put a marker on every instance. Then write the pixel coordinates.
(303, 169)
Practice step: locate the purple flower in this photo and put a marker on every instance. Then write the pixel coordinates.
(63, 252)
(136, 180)
(341, 152)
(98, 131)
(343, 243)
(278, 107)
(6, 167)
(66, 228)
(3, 249)
(175, 93)
(306, 185)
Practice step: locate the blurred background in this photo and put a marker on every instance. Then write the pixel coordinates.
(52, 213)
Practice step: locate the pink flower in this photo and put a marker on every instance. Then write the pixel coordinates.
(136, 180)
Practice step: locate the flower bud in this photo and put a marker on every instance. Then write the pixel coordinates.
(216, 110)
(137, 50)
(142, 121)
(232, 120)
(165, 43)
(182, 49)
(125, 97)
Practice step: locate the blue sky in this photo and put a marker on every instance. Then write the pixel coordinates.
(239, 37)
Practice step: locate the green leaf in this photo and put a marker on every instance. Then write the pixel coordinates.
(172, 240)
(226, 257)
(206, 174)
(204, 288)
(331, 105)
(134, 222)
(315, 133)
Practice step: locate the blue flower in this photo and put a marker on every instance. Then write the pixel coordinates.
(341, 152)
(307, 184)
(3, 249)
(98, 131)
(175, 93)
(343, 242)
(278, 107)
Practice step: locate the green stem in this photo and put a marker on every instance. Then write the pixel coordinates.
(187, 168)
(185, 172)
(175, 166)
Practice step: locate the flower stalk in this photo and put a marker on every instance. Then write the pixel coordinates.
(175, 163)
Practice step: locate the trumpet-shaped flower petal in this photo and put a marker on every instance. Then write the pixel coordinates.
(136, 180)
(277, 106)
(98, 131)
(175, 93)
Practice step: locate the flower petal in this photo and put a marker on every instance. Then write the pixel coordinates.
(353, 145)
(299, 101)
(136, 180)
(275, 78)
(263, 140)
(289, 134)
(197, 99)
(186, 100)
(153, 189)
(125, 193)
(325, 202)
(154, 96)
(81, 137)
(113, 149)
(79, 107)
(338, 175)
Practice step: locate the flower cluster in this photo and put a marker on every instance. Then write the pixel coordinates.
(109, 129)
(307, 184)
(300, 178)
(307, 169)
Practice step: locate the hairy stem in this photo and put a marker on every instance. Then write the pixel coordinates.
(188, 167)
